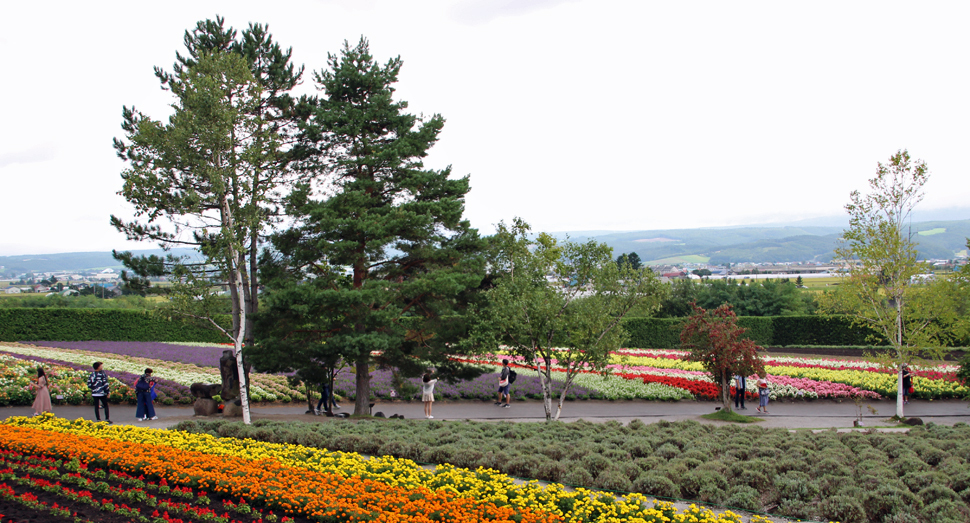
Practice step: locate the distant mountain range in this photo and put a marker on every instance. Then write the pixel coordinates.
(718, 246)
(72, 261)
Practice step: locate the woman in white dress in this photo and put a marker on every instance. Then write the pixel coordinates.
(427, 394)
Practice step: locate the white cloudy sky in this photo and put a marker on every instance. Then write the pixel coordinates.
(575, 115)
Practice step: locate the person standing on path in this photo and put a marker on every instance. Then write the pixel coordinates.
(503, 385)
(143, 391)
(763, 394)
(907, 383)
(98, 383)
(427, 394)
(42, 403)
(740, 385)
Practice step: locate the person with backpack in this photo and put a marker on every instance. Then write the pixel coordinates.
(98, 383)
(504, 382)
(143, 391)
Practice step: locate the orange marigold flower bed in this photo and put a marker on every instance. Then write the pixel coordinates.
(266, 481)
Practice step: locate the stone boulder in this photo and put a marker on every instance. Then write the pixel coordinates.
(205, 407)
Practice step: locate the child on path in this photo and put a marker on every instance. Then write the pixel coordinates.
(98, 383)
(763, 394)
(42, 403)
(427, 394)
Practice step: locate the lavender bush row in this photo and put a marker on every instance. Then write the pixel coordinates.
(164, 388)
(484, 387)
(195, 355)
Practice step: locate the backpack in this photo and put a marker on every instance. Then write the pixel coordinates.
(512, 376)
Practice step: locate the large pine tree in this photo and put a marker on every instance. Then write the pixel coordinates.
(381, 256)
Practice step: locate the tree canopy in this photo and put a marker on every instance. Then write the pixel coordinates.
(881, 289)
(713, 339)
(378, 264)
(559, 305)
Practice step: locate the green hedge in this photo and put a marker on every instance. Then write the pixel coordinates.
(775, 331)
(100, 324)
(791, 331)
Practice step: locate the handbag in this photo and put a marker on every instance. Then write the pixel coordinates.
(912, 390)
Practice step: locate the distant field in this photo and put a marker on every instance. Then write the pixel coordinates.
(688, 258)
(820, 283)
(931, 232)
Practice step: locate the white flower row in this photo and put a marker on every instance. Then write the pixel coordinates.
(177, 372)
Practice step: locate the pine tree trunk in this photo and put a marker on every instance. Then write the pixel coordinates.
(362, 403)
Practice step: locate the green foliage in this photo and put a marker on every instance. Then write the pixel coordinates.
(882, 290)
(713, 338)
(101, 324)
(771, 331)
(757, 298)
(212, 177)
(381, 261)
(563, 301)
(57, 301)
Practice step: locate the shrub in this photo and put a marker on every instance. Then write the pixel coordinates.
(830, 485)
(101, 324)
(917, 481)
(657, 485)
(553, 471)
(936, 492)
(638, 447)
(668, 451)
(523, 466)
(442, 454)
(694, 481)
(595, 463)
(578, 477)
(832, 467)
(890, 500)
(946, 511)
(794, 485)
(908, 464)
(743, 497)
(844, 509)
(613, 479)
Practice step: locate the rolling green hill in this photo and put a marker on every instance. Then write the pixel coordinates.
(936, 240)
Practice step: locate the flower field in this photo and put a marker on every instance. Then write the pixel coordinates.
(655, 375)
(174, 377)
(82, 471)
(788, 377)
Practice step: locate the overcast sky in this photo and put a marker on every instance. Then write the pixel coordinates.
(575, 115)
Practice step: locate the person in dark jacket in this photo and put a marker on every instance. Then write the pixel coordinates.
(740, 384)
(98, 383)
(143, 392)
(907, 383)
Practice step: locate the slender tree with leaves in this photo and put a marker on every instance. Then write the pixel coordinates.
(193, 172)
(262, 158)
(880, 289)
(560, 305)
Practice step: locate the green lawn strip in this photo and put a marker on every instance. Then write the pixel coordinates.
(727, 415)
